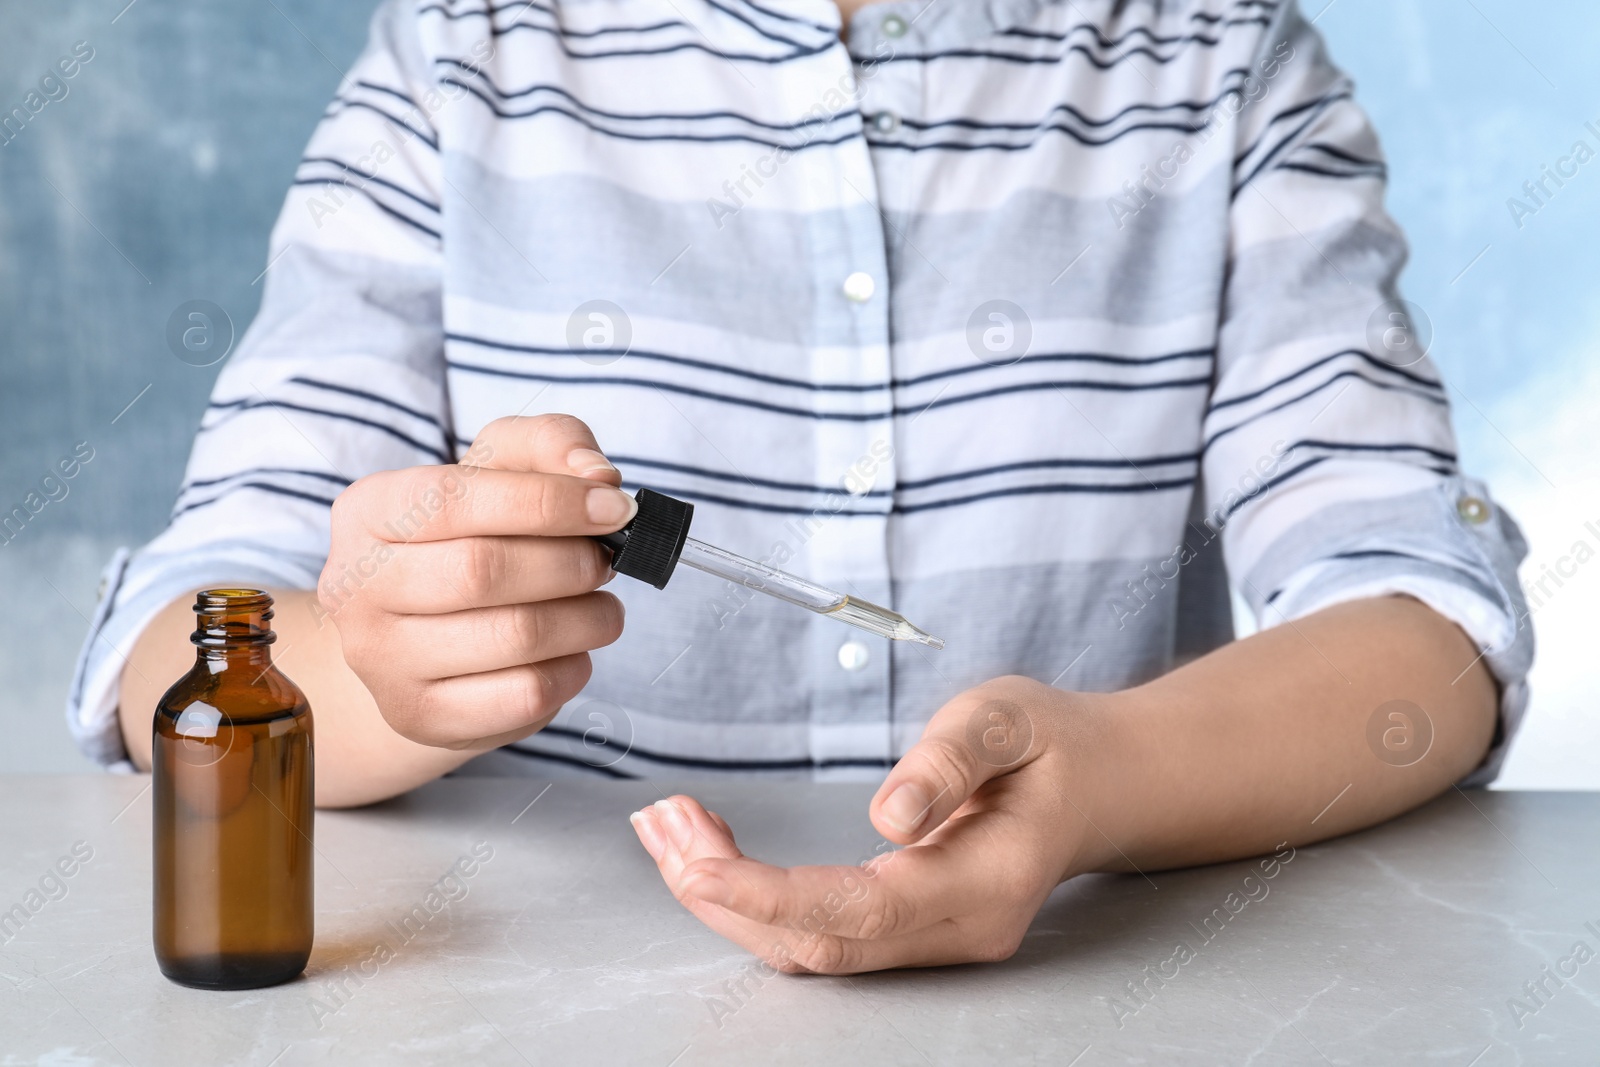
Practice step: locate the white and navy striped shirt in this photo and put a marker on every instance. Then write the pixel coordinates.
(1041, 321)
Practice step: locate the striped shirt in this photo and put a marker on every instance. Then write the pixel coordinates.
(1045, 322)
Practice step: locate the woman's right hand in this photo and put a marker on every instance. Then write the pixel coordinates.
(466, 595)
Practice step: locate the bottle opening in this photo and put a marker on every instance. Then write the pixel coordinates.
(212, 599)
(233, 618)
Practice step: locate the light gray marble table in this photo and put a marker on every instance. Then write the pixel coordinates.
(1407, 943)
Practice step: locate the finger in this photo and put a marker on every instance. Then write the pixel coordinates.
(448, 501)
(785, 950)
(553, 444)
(936, 946)
(843, 901)
(891, 894)
(651, 835)
(433, 577)
(940, 945)
(692, 834)
(673, 839)
(488, 639)
(507, 704)
(979, 735)
(678, 831)
(686, 832)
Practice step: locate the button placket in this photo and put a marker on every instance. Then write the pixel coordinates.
(891, 94)
(850, 689)
(888, 94)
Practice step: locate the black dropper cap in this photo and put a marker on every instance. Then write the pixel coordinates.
(648, 547)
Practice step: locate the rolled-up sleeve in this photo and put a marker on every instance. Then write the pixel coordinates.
(341, 374)
(1329, 461)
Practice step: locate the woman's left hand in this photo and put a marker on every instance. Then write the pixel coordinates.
(982, 804)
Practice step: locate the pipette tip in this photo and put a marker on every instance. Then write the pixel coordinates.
(907, 632)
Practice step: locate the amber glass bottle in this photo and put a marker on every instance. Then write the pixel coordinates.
(231, 761)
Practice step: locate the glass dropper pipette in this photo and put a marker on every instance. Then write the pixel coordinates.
(657, 540)
(764, 579)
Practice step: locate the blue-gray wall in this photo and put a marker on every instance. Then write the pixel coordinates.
(152, 182)
(155, 179)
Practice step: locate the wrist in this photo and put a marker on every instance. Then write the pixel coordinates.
(1095, 776)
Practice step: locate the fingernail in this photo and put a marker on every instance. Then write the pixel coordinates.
(677, 824)
(905, 808)
(587, 461)
(649, 833)
(707, 887)
(609, 507)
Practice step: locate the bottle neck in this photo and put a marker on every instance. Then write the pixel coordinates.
(233, 628)
(248, 657)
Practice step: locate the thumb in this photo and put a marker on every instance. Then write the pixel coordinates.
(981, 734)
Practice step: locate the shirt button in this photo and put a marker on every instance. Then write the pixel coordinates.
(885, 122)
(859, 287)
(894, 26)
(1473, 509)
(853, 655)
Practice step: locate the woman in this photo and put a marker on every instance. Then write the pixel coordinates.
(1037, 320)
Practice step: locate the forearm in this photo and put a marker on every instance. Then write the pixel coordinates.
(1266, 739)
(359, 758)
